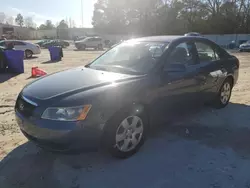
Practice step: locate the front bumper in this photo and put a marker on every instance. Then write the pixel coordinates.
(62, 136)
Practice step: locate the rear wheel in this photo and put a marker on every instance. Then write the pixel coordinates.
(126, 134)
(28, 53)
(223, 97)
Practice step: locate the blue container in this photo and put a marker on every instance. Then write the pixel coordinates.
(15, 60)
(55, 53)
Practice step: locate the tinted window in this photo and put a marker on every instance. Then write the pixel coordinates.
(90, 39)
(19, 43)
(97, 39)
(206, 52)
(182, 54)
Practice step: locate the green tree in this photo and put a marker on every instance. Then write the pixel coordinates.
(28, 22)
(19, 20)
(63, 25)
(47, 25)
(157, 17)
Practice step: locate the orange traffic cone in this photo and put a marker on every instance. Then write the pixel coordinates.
(36, 72)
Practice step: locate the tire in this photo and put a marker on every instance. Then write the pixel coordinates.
(223, 97)
(28, 53)
(124, 138)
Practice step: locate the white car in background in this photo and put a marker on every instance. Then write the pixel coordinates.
(28, 48)
(245, 47)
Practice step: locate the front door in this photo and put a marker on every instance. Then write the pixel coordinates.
(179, 88)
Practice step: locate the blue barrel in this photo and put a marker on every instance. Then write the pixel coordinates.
(55, 53)
(15, 60)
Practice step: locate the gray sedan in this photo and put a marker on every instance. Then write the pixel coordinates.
(111, 101)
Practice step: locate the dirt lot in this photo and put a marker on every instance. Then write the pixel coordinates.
(206, 148)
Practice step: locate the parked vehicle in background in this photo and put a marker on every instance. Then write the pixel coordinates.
(79, 38)
(28, 48)
(57, 42)
(90, 42)
(194, 34)
(109, 101)
(245, 47)
(41, 42)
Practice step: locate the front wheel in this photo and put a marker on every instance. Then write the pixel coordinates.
(126, 134)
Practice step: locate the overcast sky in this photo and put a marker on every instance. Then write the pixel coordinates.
(54, 10)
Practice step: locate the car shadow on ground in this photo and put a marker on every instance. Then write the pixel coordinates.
(28, 166)
(49, 62)
(7, 76)
(228, 127)
(31, 58)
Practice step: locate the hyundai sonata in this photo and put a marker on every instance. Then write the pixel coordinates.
(110, 101)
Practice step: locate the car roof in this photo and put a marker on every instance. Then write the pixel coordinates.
(16, 41)
(93, 38)
(167, 38)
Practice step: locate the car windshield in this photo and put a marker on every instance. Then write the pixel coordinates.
(86, 39)
(130, 57)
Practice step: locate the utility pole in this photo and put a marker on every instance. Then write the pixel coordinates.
(82, 11)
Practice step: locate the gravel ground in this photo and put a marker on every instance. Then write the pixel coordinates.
(205, 148)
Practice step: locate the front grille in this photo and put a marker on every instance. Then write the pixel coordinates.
(24, 107)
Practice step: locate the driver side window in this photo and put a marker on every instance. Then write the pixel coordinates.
(182, 54)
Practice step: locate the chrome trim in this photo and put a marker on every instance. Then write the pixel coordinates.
(29, 101)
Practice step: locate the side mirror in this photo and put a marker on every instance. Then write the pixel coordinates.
(175, 67)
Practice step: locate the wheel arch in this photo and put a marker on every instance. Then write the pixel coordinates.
(231, 78)
(28, 49)
(136, 107)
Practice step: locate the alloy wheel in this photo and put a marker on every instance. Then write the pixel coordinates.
(129, 133)
(225, 93)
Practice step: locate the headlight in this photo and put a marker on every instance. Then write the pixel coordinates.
(66, 113)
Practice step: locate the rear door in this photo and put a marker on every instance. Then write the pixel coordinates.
(210, 70)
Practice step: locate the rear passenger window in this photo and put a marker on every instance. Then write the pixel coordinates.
(206, 52)
(96, 39)
(19, 43)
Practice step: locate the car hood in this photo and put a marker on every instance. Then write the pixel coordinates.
(71, 81)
